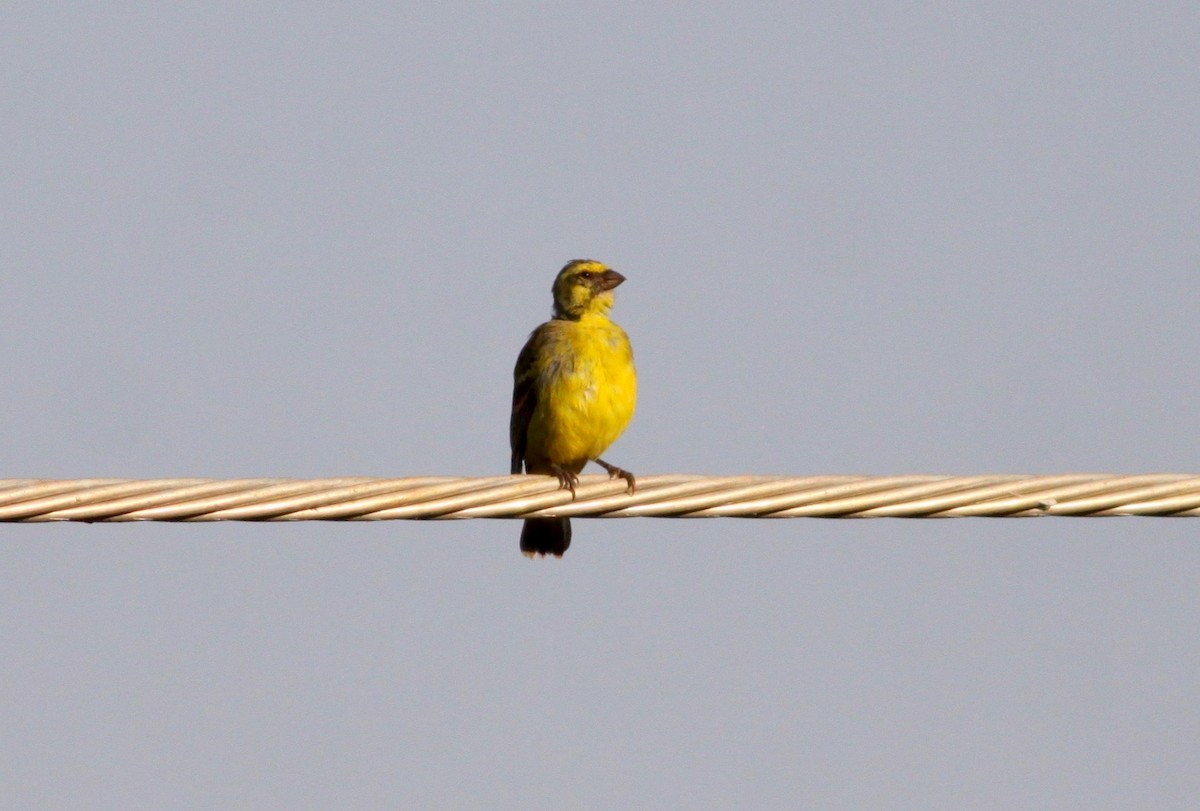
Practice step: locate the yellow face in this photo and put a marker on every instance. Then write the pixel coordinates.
(584, 286)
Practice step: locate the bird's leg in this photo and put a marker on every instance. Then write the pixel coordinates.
(566, 479)
(616, 472)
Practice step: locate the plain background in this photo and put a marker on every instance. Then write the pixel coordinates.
(288, 240)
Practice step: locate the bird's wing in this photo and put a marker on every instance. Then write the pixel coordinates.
(524, 400)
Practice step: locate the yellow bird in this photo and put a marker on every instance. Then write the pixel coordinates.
(574, 391)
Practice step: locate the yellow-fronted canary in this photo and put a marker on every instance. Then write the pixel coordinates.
(574, 391)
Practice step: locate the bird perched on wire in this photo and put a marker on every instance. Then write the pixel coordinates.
(574, 391)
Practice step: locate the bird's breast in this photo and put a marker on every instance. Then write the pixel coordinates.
(588, 391)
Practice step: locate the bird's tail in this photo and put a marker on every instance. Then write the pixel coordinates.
(545, 536)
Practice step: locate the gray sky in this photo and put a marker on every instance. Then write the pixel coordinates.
(859, 238)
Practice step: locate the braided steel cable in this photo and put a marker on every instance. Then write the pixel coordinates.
(663, 496)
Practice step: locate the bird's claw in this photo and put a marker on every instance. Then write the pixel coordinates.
(566, 480)
(615, 472)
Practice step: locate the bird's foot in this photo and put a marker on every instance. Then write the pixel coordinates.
(566, 479)
(615, 472)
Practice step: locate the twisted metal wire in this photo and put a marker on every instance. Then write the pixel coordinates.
(665, 496)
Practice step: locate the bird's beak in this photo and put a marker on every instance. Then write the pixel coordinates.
(610, 279)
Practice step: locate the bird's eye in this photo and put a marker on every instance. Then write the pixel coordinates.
(586, 275)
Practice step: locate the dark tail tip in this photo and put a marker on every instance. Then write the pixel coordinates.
(545, 536)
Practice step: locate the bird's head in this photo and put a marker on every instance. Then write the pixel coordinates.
(584, 286)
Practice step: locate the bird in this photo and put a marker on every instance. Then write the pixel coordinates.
(574, 393)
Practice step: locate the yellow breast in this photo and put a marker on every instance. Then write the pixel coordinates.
(587, 391)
